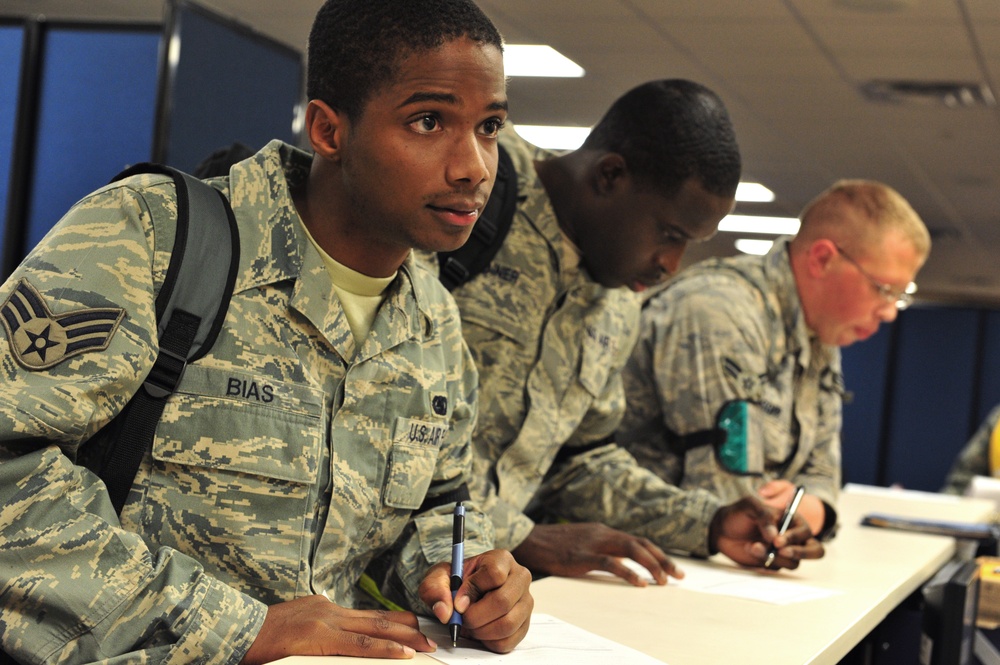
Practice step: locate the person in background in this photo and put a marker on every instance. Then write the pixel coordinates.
(551, 321)
(979, 457)
(329, 424)
(218, 162)
(735, 385)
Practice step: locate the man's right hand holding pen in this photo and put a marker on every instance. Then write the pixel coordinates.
(494, 599)
(747, 529)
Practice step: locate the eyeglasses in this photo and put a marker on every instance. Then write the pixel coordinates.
(901, 299)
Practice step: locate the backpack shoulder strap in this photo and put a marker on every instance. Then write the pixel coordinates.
(190, 310)
(461, 265)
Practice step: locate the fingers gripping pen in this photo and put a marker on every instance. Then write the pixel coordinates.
(457, 557)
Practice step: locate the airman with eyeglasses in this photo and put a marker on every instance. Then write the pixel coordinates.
(855, 260)
(749, 346)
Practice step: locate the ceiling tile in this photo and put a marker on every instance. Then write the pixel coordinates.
(920, 39)
(702, 9)
(884, 11)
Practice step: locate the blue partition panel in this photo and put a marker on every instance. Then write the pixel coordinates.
(932, 403)
(865, 366)
(228, 85)
(96, 115)
(11, 44)
(989, 368)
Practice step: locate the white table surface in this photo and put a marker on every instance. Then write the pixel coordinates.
(872, 569)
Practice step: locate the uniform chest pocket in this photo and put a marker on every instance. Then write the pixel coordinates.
(412, 460)
(234, 478)
(232, 421)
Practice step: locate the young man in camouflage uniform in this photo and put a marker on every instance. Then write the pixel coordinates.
(551, 322)
(763, 333)
(328, 423)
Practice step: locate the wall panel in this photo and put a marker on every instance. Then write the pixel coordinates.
(865, 366)
(97, 102)
(933, 394)
(223, 84)
(11, 46)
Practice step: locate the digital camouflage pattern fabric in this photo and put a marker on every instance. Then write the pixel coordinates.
(550, 344)
(733, 329)
(287, 460)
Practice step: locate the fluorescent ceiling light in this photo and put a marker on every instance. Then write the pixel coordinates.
(758, 247)
(538, 60)
(781, 226)
(552, 137)
(754, 192)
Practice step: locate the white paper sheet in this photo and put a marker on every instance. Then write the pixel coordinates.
(549, 640)
(749, 584)
(898, 492)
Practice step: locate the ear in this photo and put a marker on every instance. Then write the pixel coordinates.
(326, 128)
(611, 173)
(820, 256)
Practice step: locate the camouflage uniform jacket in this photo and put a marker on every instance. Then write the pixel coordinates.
(731, 329)
(550, 343)
(974, 460)
(284, 463)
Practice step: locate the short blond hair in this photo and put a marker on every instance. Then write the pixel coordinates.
(877, 209)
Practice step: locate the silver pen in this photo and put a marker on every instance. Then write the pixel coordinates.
(786, 521)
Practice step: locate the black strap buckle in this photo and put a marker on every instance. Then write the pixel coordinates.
(166, 374)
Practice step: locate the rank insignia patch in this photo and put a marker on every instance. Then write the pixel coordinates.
(40, 339)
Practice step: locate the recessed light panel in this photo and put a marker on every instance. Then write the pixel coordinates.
(781, 226)
(552, 137)
(538, 60)
(753, 192)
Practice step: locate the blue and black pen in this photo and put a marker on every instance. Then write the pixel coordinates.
(457, 557)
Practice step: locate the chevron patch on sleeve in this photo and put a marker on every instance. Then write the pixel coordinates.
(40, 339)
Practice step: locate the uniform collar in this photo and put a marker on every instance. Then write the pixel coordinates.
(276, 248)
(537, 209)
(778, 271)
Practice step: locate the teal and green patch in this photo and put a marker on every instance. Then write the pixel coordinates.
(40, 339)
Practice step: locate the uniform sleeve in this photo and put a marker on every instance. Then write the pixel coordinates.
(510, 525)
(821, 474)
(78, 324)
(594, 479)
(711, 343)
(427, 540)
(974, 460)
(607, 485)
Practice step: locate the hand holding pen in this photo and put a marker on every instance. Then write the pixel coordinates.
(488, 593)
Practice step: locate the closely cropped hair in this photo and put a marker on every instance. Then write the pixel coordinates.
(669, 131)
(877, 208)
(355, 46)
